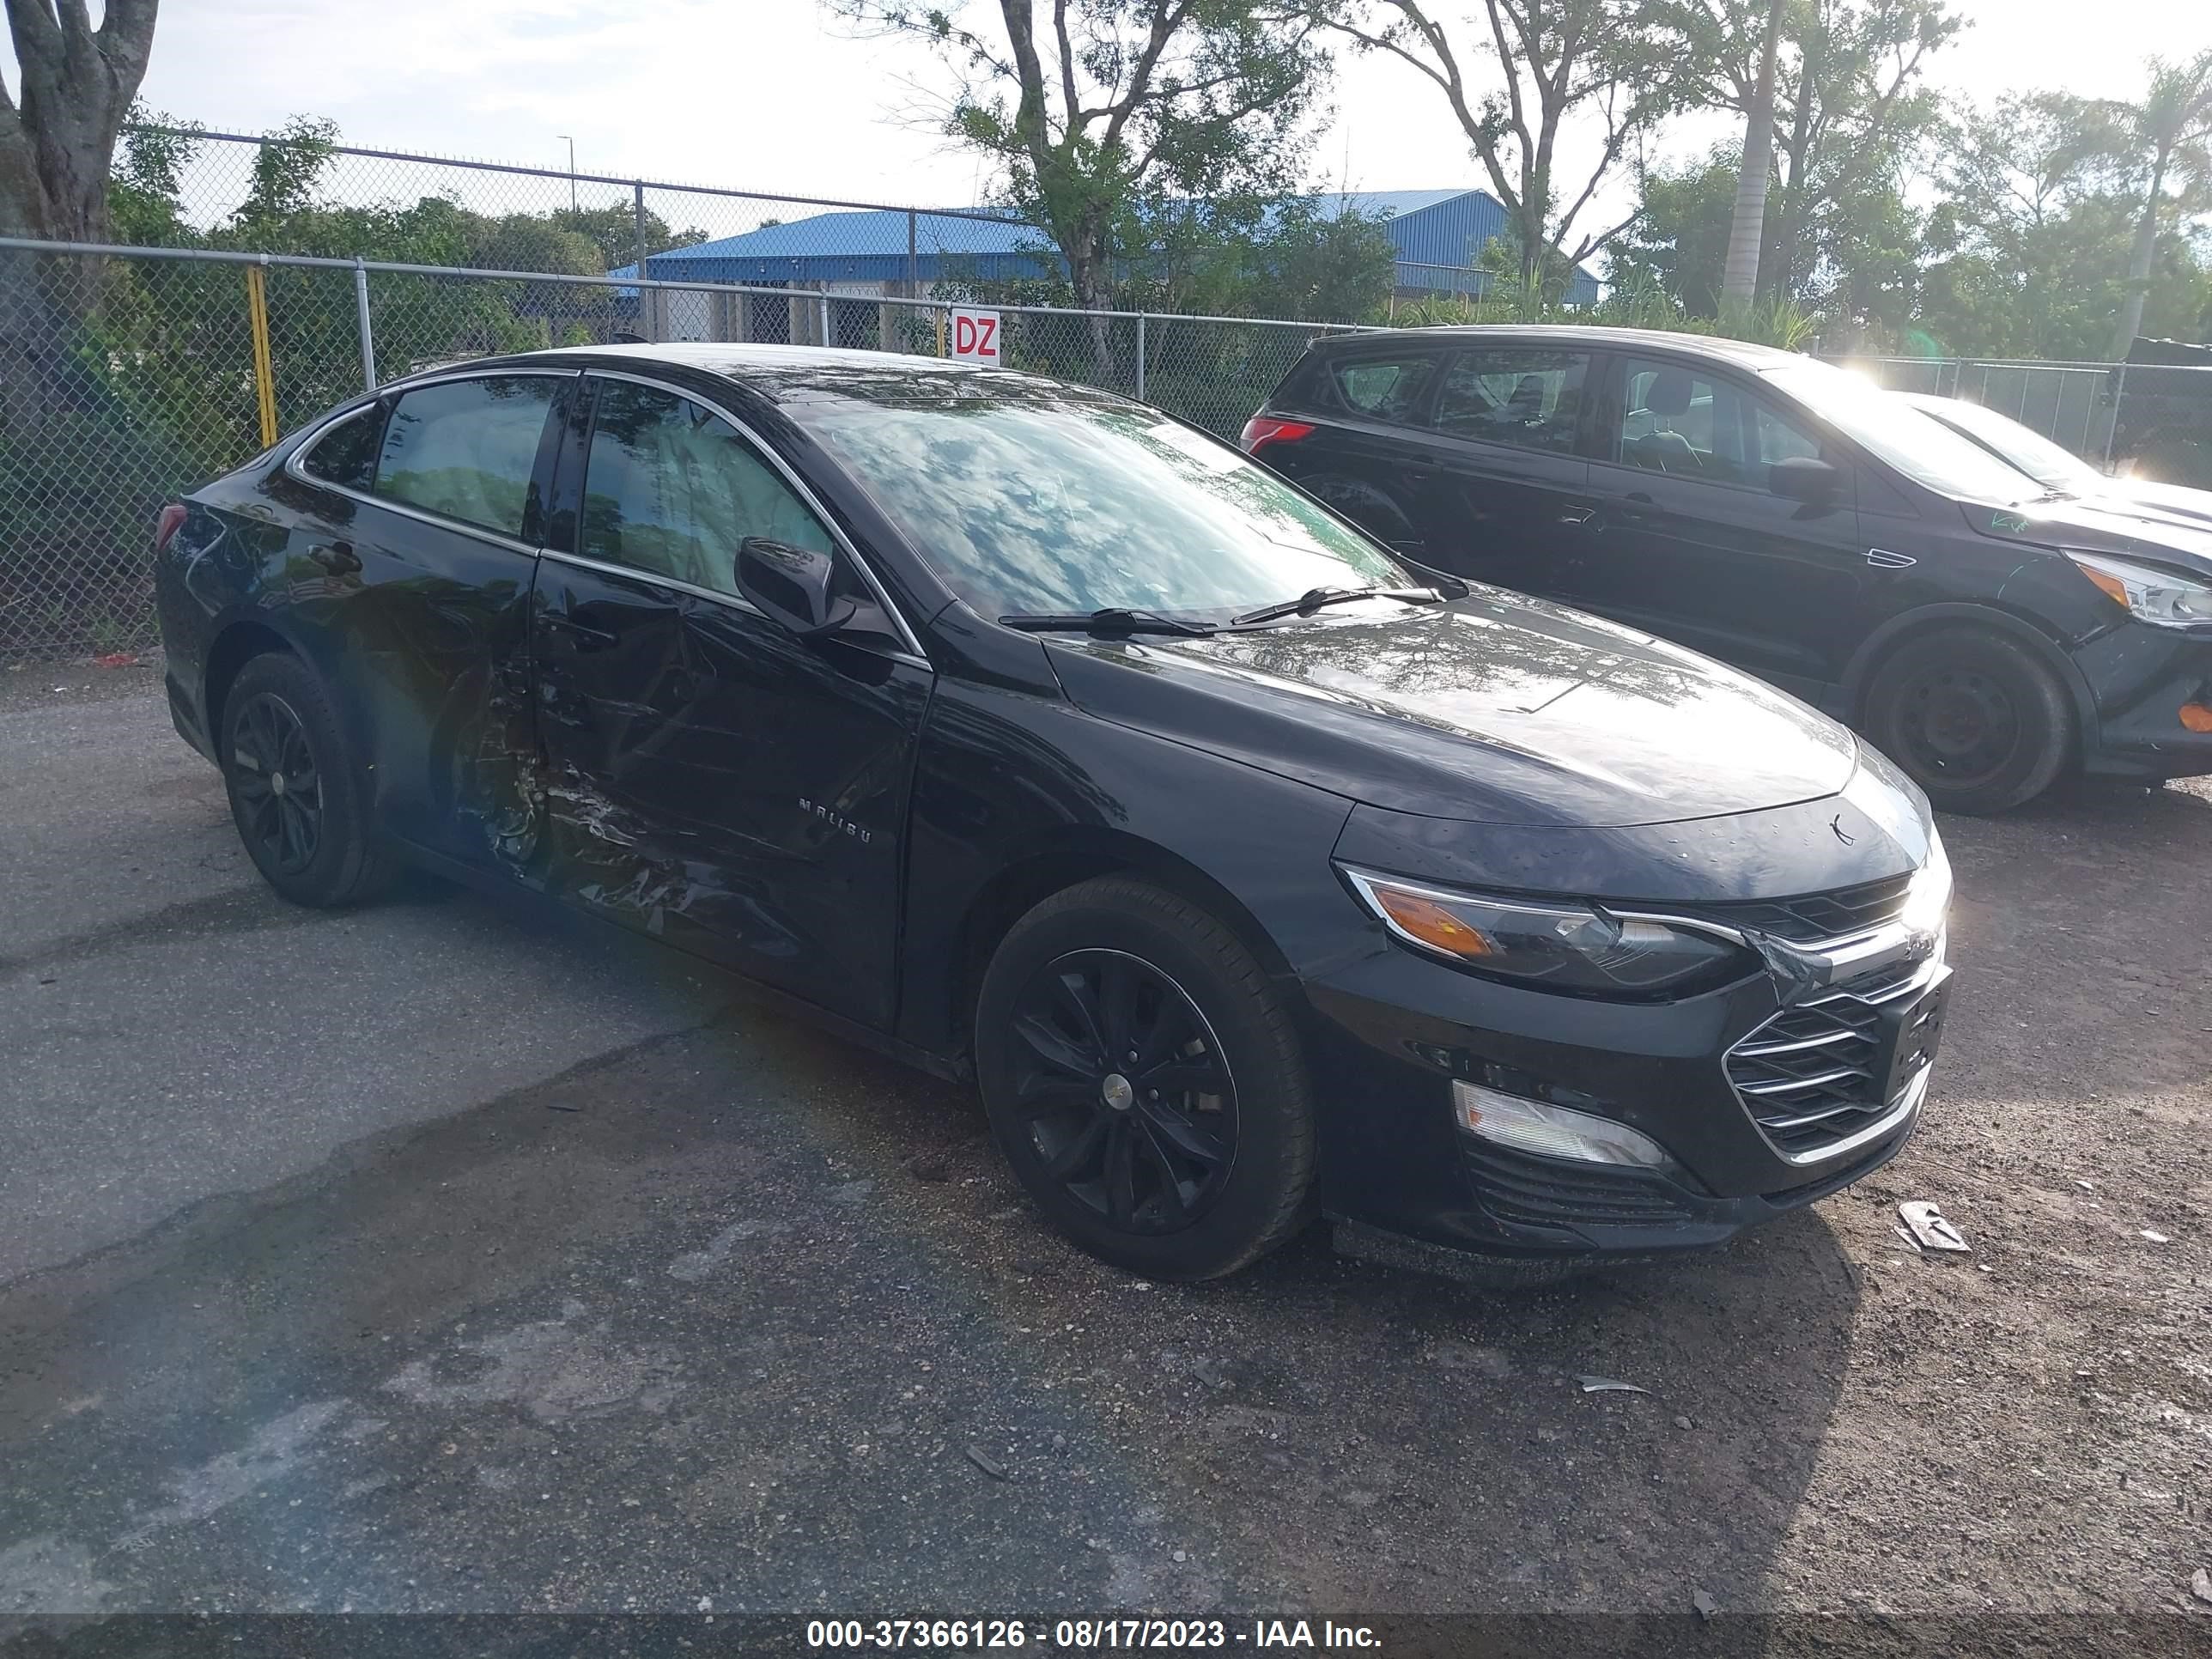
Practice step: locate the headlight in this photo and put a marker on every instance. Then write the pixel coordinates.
(1578, 949)
(1928, 899)
(2151, 595)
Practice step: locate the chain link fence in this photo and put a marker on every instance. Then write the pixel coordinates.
(128, 377)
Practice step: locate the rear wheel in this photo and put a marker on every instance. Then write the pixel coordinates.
(1974, 717)
(294, 794)
(1146, 1082)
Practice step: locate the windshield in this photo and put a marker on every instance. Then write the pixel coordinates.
(2046, 462)
(1031, 503)
(1924, 450)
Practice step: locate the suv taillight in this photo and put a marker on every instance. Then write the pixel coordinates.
(164, 527)
(1264, 429)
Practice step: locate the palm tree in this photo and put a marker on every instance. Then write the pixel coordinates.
(1747, 229)
(2171, 128)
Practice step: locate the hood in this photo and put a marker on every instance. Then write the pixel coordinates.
(2124, 527)
(1493, 709)
(2159, 500)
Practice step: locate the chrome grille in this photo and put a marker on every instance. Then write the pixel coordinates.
(1812, 1075)
(1822, 915)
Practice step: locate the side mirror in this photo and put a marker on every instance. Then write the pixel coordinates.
(1803, 479)
(792, 585)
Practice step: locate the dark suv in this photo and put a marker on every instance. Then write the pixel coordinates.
(1785, 516)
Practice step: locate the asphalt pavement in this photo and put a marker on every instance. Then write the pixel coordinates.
(451, 1255)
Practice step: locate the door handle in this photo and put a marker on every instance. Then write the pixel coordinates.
(1882, 559)
(337, 557)
(587, 637)
(1577, 515)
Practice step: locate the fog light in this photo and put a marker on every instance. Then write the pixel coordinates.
(2196, 717)
(1530, 1126)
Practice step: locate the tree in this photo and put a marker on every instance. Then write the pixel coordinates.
(1679, 242)
(2023, 252)
(58, 134)
(1748, 225)
(1851, 113)
(1561, 63)
(2169, 132)
(1104, 113)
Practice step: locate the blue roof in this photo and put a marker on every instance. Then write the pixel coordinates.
(1428, 227)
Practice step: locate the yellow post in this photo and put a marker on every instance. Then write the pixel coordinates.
(265, 371)
(940, 331)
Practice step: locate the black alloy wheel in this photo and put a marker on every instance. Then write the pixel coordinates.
(273, 776)
(1124, 1091)
(1146, 1080)
(1974, 717)
(295, 794)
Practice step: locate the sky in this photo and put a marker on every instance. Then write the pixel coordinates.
(774, 95)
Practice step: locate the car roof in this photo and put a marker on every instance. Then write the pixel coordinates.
(794, 373)
(1550, 334)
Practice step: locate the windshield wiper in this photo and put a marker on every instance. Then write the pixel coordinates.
(1313, 598)
(1109, 619)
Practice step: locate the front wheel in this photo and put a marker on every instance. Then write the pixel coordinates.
(1975, 718)
(1146, 1082)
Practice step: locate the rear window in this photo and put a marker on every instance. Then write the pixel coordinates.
(466, 448)
(1383, 388)
(1530, 400)
(346, 454)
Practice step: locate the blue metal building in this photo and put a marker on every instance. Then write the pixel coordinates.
(1439, 233)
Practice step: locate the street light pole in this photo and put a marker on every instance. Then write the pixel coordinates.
(572, 173)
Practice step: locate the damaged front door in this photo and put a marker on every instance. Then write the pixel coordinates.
(714, 779)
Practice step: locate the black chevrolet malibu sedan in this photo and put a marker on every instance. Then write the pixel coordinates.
(1250, 871)
(1988, 630)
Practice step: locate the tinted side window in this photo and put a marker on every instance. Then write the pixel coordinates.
(466, 448)
(1532, 399)
(1678, 420)
(1383, 388)
(346, 454)
(672, 488)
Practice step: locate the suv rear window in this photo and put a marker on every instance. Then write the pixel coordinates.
(1531, 399)
(1383, 388)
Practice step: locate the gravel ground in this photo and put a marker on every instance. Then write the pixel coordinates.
(451, 1257)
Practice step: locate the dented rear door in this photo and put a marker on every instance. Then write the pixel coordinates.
(710, 779)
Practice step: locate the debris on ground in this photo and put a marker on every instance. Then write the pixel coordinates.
(990, 1465)
(935, 1165)
(1911, 1242)
(1684, 1422)
(1704, 1602)
(1606, 1385)
(2200, 1586)
(1932, 1229)
(116, 659)
(2156, 1237)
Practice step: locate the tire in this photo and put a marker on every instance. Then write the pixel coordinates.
(1973, 717)
(1192, 1161)
(295, 794)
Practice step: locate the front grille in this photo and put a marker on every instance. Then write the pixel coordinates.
(1519, 1188)
(1821, 915)
(1812, 1074)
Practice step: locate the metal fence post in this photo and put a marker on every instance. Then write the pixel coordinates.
(823, 303)
(264, 366)
(361, 322)
(1140, 356)
(913, 260)
(646, 297)
(2112, 425)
